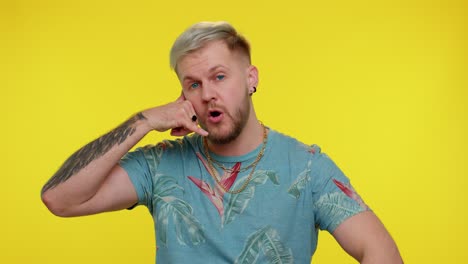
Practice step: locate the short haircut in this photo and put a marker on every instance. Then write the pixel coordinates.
(198, 35)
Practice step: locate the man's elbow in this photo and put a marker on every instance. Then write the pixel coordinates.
(54, 205)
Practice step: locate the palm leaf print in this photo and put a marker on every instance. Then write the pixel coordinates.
(336, 206)
(164, 185)
(267, 240)
(238, 202)
(188, 229)
(300, 183)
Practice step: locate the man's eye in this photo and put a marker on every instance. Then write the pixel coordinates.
(194, 85)
(219, 77)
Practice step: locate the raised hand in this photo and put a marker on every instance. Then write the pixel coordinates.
(179, 116)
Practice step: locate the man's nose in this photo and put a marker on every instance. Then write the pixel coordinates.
(208, 92)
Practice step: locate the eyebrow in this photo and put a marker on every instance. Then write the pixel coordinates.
(212, 69)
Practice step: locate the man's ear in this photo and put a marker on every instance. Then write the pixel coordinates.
(252, 75)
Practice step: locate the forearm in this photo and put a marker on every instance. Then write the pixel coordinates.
(83, 173)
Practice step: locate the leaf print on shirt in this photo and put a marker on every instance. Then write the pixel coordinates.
(188, 229)
(215, 197)
(166, 144)
(334, 208)
(300, 183)
(216, 194)
(267, 240)
(351, 193)
(239, 201)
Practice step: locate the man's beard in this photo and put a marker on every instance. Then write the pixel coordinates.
(239, 120)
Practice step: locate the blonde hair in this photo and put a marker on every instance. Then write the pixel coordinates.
(201, 33)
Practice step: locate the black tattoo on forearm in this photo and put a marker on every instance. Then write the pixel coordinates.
(92, 151)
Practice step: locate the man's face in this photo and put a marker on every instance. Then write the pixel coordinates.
(216, 81)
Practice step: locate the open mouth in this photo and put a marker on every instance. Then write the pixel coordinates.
(215, 113)
(215, 116)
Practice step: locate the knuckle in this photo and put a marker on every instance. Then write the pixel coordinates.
(181, 112)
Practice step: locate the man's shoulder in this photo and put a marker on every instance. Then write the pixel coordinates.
(165, 146)
(284, 141)
(186, 142)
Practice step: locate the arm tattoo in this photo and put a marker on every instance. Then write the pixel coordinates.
(92, 151)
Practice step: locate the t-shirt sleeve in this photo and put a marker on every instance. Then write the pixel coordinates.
(141, 166)
(335, 199)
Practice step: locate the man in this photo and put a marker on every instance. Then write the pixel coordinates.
(236, 191)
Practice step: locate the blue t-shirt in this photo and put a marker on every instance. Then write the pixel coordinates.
(294, 191)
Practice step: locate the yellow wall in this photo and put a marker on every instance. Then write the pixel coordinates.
(381, 87)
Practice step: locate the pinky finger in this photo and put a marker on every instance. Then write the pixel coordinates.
(198, 130)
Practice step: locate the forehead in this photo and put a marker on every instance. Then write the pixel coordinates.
(213, 54)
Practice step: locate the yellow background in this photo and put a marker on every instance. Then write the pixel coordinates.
(381, 86)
